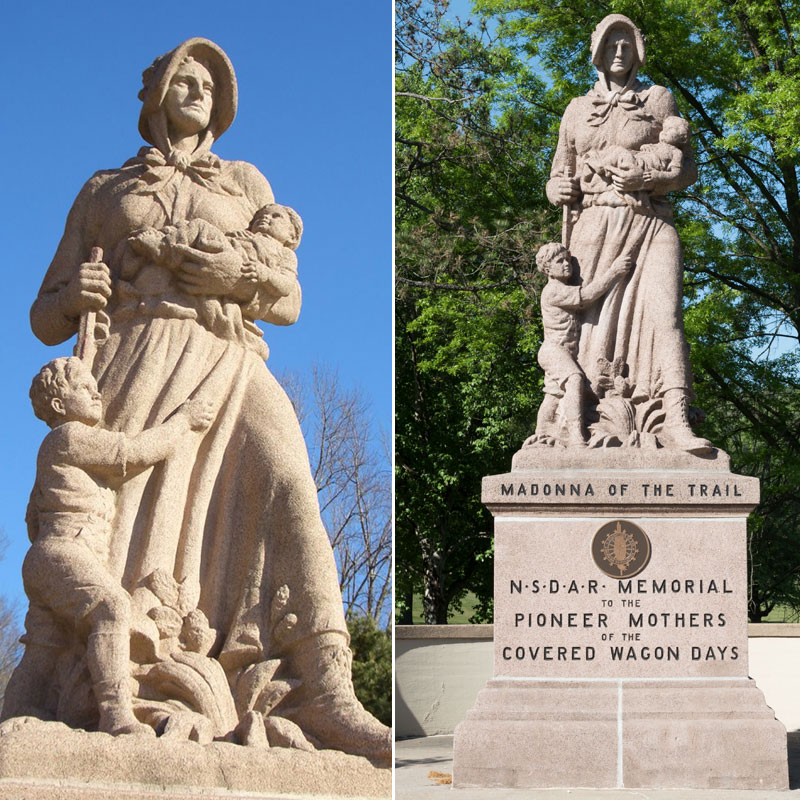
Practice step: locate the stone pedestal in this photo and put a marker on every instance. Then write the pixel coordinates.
(47, 760)
(621, 635)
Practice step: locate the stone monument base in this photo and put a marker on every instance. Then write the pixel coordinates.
(61, 790)
(620, 635)
(46, 755)
(713, 733)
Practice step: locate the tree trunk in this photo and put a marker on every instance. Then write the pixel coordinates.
(434, 602)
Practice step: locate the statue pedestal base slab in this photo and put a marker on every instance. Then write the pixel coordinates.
(62, 762)
(621, 733)
(620, 636)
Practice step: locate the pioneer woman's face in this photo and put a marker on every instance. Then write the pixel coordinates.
(618, 53)
(189, 99)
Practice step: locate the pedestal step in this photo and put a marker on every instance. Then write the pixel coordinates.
(49, 761)
(631, 733)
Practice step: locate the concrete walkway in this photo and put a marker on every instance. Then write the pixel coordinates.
(419, 761)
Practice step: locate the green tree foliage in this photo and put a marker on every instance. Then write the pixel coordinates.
(470, 214)
(469, 208)
(372, 666)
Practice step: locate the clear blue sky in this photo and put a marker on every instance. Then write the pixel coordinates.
(314, 117)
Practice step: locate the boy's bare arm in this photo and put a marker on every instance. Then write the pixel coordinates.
(155, 444)
(595, 289)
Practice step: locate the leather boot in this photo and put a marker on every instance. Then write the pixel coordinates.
(676, 432)
(573, 411)
(325, 705)
(116, 713)
(107, 657)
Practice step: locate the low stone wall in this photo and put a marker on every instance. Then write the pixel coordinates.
(439, 670)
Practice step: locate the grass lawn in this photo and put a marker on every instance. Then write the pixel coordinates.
(783, 614)
(468, 605)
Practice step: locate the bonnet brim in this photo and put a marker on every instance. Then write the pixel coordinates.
(156, 80)
(615, 22)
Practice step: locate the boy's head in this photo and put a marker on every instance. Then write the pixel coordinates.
(555, 261)
(66, 391)
(675, 131)
(280, 222)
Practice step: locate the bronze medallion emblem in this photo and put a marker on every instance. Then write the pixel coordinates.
(621, 549)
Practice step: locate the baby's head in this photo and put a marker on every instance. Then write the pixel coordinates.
(280, 222)
(148, 242)
(675, 131)
(65, 391)
(555, 261)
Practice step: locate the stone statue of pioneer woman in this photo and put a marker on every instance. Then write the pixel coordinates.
(237, 627)
(621, 148)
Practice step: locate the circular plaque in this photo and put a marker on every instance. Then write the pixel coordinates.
(621, 549)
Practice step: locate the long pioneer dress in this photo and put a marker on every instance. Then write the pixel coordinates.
(234, 513)
(640, 319)
(237, 624)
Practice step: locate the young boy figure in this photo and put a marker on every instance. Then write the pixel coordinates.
(563, 378)
(69, 518)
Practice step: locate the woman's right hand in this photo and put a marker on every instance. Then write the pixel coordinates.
(88, 290)
(627, 177)
(563, 191)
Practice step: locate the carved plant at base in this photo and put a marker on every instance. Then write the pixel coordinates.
(185, 693)
(542, 439)
(258, 692)
(186, 681)
(621, 418)
(280, 621)
(182, 692)
(623, 423)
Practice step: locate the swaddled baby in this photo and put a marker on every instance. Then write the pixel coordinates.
(659, 162)
(266, 247)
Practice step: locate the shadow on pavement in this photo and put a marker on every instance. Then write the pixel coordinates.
(793, 749)
(407, 762)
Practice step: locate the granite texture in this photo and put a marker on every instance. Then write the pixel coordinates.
(181, 581)
(614, 354)
(621, 733)
(689, 491)
(654, 661)
(139, 766)
(557, 615)
(620, 570)
(420, 761)
(609, 458)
